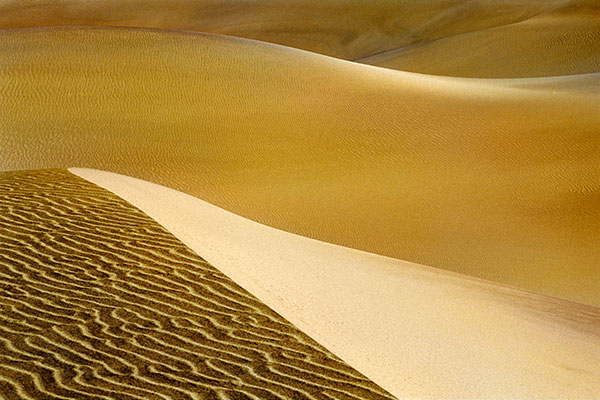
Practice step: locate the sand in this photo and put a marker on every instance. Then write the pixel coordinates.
(455, 194)
(493, 178)
(418, 332)
(98, 301)
(564, 42)
(348, 29)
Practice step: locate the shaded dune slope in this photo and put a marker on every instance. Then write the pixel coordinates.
(355, 30)
(492, 178)
(565, 42)
(98, 301)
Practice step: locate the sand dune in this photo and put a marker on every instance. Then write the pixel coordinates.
(416, 331)
(497, 179)
(565, 42)
(348, 29)
(98, 301)
(431, 160)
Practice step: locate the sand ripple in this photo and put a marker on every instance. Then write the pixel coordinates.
(98, 301)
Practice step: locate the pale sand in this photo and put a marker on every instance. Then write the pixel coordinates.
(497, 179)
(348, 29)
(414, 330)
(100, 302)
(564, 42)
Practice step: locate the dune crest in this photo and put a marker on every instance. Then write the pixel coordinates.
(97, 300)
(444, 37)
(496, 179)
(416, 331)
(399, 198)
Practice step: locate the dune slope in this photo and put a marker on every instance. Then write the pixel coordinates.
(98, 301)
(497, 179)
(348, 29)
(565, 42)
(418, 332)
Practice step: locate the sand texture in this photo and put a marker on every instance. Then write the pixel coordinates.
(481, 38)
(564, 42)
(498, 179)
(418, 332)
(300, 199)
(98, 301)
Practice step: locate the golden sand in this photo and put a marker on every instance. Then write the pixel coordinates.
(564, 42)
(493, 178)
(99, 301)
(348, 29)
(419, 332)
(497, 179)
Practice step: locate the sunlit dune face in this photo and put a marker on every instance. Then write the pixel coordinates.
(430, 331)
(92, 284)
(479, 177)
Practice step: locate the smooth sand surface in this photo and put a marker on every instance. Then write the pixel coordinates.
(497, 179)
(349, 29)
(564, 42)
(416, 331)
(98, 301)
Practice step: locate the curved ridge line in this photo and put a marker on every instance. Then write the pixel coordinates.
(225, 239)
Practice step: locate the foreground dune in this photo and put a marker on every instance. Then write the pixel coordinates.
(98, 301)
(416, 331)
(471, 38)
(497, 179)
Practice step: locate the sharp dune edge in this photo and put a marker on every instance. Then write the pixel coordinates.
(416, 331)
(492, 178)
(98, 301)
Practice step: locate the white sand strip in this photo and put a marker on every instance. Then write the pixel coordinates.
(416, 331)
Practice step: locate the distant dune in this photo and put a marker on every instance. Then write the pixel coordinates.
(493, 178)
(565, 42)
(99, 301)
(482, 38)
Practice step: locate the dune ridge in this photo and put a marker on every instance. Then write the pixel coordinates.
(345, 29)
(418, 332)
(401, 198)
(492, 178)
(98, 301)
(444, 37)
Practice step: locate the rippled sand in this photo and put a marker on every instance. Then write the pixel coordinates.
(497, 179)
(97, 300)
